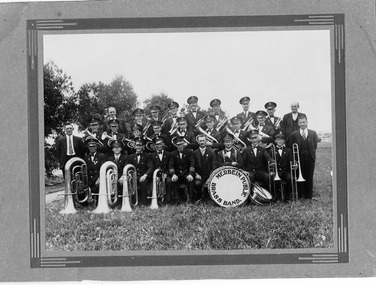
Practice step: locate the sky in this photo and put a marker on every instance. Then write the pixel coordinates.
(280, 66)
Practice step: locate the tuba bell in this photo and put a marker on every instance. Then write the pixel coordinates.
(76, 185)
(159, 187)
(108, 196)
(129, 188)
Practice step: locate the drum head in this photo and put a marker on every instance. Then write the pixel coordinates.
(229, 186)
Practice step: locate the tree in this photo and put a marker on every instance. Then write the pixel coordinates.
(161, 100)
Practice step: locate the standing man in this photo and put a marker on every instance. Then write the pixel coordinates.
(255, 160)
(155, 117)
(68, 146)
(114, 134)
(272, 120)
(156, 127)
(94, 131)
(169, 122)
(112, 116)
(205, 163)
(182, 170)
(213, 133)
(246, 115)
(219, 114)
(307, 142)
(138, 117)
(144, 168)
(239, 134)
(194, 115)
(266, 132)
(290, 121)
(94, 161)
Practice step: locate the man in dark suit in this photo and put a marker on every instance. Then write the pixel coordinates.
(182, 170)
(307, 143)
(216, 144)
(155, 117)
(229, 156)
(139, 117)
(271, 119)
(113, 134)
(94, 131)
(283, 157)
(246, 115)
(156, 127)
(194, 115)
(182, 131)
(290, 121)
(144, 168)
(221, 119)
(266, 132)
(68, 146)
(121, 160)
(169, 122)
(239, 134)
(255, 160)
(161, 159)
(111, 116)
(94, 161)
(205, 163)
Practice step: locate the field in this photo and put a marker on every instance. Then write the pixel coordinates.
(203, 226)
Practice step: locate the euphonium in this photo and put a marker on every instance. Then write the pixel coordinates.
(238, 144)
(129, 188)
(108, 177)
(76, 183)
(159, 187)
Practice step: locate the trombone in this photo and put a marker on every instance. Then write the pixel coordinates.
(273, 172)
(293, 166)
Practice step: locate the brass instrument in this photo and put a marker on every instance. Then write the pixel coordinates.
(129, 188)
(76, 183)
(150, 146)
(159, 187)
(130, 143)
(199, 122)
(178, 134)
(293, 166)
(238, 144)
(276, 124)
(222, 123)
(210, 138)
(174, 126)
(273, 172)
(108, 177)
(147, 126)
(89, 134)
(248, 126)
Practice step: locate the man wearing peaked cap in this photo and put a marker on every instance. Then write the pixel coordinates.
(169, 121)
(246, 115)
(112, 115)
(218, 113)
(215, 102)
(157, 132)
(271, 119)
(229, 156)
(172, 105)
(182, 131)
(238, 132)
(194, 116)
(138, 117)
(213, 133)
(265, 131)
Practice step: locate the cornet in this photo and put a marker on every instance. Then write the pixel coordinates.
(129, 188)
(108, 195)
(76, 183)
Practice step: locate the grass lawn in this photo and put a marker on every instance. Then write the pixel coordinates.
(205, 226)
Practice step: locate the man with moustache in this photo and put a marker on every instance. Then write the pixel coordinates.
(290, 121)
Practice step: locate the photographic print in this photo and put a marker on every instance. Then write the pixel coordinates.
(198, 140)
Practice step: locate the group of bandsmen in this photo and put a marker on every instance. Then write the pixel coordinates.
(188, 146)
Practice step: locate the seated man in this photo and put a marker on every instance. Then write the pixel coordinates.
(283, 157)
(121, 160)
(94, 161)
(182, 170)
(229, 156)
(161, 159)
(205, 162)
(144, 168)
(255, 160)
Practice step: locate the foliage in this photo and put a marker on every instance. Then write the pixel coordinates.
(50, 162)
(161, 100)
(58, 100)
(301, 224)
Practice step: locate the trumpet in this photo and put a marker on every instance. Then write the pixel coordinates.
(129, 188)
(248, 126)
(76, 183)
(159, 187)
(208, 137)
(199, 122)
(106, 136)
(293, 166)
(238, 144)
(108, 177)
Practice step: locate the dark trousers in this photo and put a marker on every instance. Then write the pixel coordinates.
(260, 176)
(143, 191)
(286, 180)
(305, 189)
(182, 194)
(200, 193)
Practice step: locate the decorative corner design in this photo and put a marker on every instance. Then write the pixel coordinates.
(321, 258)
(317, 20)
(35, 240)
(54, 24)
(342, 236)
(339, 41)
(57, 262)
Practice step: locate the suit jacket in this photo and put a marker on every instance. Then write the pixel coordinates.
(219, 137)
(122, 126)
(288, 125)
(123, 161)
(204, 165)
(192, 121)
(245, 119)
(268, 131)
(225, 160)
(254, 163)
(145, 166)
(190, 137)
(243, 135)
(283, 161)
(169, 147)
(182, 166)
(61, 148)
(163, 164)
(271, 122)
(94, 166)
(312, 140)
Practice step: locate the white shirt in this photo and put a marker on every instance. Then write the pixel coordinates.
(305, 131)
(160, 155)
(203, 150)
(70, 138)
(294, 116)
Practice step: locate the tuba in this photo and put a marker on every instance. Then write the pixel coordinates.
(159, 187)
(76, 184)
(108, 195)
(129, 188)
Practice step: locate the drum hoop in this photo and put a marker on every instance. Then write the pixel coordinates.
(219, 169)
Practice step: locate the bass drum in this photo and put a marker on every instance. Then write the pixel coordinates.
(260, 196)
(229, 186)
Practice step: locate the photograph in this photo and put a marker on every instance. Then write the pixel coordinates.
(198, 140)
